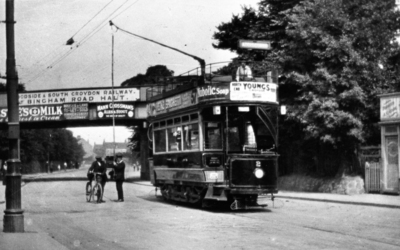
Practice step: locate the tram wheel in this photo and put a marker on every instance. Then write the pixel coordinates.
(164, 192)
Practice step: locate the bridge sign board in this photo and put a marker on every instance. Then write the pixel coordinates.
(119, 110)
(79, 96)
(75, 105)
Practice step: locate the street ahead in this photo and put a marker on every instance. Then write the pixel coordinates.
(145, 221)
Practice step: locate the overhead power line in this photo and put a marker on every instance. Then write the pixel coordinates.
(69, 42)
(85, 38)
(200, 60)
(71, 39)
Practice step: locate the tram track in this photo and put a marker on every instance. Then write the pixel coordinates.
(330, 228)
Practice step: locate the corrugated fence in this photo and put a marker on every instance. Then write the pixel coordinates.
(371, 159)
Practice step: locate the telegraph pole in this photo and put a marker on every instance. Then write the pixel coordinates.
(13, 215)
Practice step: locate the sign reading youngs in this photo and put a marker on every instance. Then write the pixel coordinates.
(79, 96)
(254, 91)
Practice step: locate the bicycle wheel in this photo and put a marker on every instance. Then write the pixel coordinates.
(98, 194)
(88, 191)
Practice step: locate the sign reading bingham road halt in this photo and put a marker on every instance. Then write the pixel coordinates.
(75, 105)
(79, 96)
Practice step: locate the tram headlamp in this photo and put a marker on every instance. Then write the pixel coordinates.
(259, 173)
(214, 176)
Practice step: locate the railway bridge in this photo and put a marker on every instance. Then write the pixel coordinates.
(85, 107)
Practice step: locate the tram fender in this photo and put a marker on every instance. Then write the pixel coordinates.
(211, 195)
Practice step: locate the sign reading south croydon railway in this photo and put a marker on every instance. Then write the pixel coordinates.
(79, 96)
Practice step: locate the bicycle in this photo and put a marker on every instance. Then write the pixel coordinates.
(95, 192)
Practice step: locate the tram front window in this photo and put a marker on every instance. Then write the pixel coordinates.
(246, 133)
(241, 137)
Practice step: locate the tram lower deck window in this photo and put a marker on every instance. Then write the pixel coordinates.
(175, 139)
(190, 137)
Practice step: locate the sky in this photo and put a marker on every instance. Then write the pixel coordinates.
(45, 62)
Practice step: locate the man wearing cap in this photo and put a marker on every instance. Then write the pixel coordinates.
(244, 73)
(98, 166)
(119, 168)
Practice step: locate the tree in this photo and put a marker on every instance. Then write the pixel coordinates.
(134, 140)
(38, 145)
(265, 24)
(336, 57)
(21, 87)
(332, 57)
(152, 76)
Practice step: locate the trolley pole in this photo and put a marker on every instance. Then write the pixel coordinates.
(13, 215)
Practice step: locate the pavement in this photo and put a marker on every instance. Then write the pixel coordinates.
(42, 241)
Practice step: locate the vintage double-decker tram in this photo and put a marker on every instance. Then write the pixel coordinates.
(215, 141)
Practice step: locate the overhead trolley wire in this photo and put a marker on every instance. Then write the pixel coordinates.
(200, 60)
(63, 56)
(92, 18)
(85, 38)
(126, 9)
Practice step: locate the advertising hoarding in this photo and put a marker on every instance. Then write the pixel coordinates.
(390, 107)
(116, 110)
(48, 113)
(176, 102)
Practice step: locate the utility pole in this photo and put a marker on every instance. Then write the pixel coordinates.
(13, 215)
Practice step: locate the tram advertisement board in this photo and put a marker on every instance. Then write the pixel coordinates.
(253, 91)
(213, 92)
(79, 96)
(239, 91)
(116, 110)
(183, 100)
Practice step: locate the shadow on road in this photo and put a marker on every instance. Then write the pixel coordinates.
(220, 207)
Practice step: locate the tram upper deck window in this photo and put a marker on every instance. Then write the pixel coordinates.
(160, 140)
(213, 135)
(194, 117)
(185, 118)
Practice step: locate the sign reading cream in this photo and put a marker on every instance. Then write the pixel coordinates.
(77, 111)
(79, 96)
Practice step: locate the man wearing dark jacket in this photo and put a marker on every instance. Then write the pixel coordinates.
(98, 166)
(119, 169)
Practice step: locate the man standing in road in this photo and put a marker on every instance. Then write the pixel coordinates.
(119, 168)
